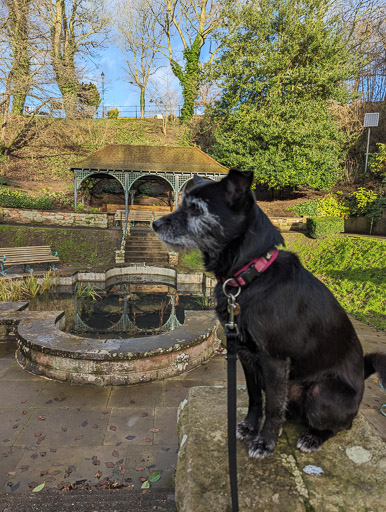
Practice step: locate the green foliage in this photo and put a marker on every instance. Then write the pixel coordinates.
(377, 161)
(86, 290)
(361, 202)
(353, 270)
(318, 227)
(328, 206)
(113, 113)
(80, 207)
(13, 290)
(365, 202)
(5, 182)
(15, 199)
(190, 261)
(279, 71)
(89, 95)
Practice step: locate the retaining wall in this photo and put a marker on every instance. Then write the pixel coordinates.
(23, 216)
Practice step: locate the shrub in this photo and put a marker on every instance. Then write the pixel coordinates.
(15, 199)
(377, 162)
(364, 202)
(328, 206)
(318, 227)
(113, 113)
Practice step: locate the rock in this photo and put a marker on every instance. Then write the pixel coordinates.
(351, 466)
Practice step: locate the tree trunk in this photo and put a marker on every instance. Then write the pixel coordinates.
(18, 30)
(142, 101)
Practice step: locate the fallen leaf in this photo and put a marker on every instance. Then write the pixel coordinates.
(78, 438)
(154, 477)
(44, 472)
(142, 479)
(145, 485)
(15, 487)
(37, 434)
(113, 428)
(55, 473)
(24, 413)
(84, 424)
(109, 464)
(39, 487)
(41, 418)
(95, 425)
(11, 473)
(130, 438)
(154, 430)
(148, 440)
(98, 474)
(15, 426)
(115, 453)
(43, 454)
(24, 468)
(140, 468)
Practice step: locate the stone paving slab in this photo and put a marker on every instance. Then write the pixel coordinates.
(353, 465)
(21, 391)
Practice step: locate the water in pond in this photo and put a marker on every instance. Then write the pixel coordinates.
(121, 310)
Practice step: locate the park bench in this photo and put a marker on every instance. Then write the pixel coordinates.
(27, 256)
(158, 215)
(134, 216)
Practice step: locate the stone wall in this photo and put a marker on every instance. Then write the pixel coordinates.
(285, 224)
(364, 225)
(73, 219)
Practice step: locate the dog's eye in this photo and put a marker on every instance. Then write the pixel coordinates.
(195, 210)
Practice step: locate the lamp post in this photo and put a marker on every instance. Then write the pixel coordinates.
(103, 94)
(370, 120)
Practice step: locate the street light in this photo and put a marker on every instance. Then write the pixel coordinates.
(370, 121)
(103, 94)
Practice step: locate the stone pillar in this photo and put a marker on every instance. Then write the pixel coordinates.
(173, 258)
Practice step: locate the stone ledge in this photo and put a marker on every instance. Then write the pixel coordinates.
(353, 464)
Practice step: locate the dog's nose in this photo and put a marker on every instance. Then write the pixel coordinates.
(157, 225)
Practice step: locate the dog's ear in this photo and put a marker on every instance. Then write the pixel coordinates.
(198, 179)
(237, 185)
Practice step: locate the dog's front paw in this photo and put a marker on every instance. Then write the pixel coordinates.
(309, 442)
(246, 430)
(259, 448)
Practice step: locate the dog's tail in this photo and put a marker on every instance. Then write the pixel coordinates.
(376, 363)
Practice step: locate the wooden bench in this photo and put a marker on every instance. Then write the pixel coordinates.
(158, 215)
(27, 256)
(134, 216)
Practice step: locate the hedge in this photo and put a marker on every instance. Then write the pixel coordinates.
(318, 227)
(14, 199)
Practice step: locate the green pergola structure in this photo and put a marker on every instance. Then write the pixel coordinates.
(128, 163)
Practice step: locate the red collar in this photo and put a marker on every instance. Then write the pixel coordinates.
(246, 274)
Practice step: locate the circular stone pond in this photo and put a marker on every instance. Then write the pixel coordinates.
(132, 347)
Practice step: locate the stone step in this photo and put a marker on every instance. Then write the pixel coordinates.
(352, 464)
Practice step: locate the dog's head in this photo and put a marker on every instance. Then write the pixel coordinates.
(211, 215)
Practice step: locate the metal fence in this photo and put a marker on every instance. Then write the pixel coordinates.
(134, 111)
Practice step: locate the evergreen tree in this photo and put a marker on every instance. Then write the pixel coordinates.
(280, 71)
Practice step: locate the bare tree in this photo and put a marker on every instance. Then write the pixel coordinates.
(165, 96)
(74, 27)
(140, 37)
(191, 23)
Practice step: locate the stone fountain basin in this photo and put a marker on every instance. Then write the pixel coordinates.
(44, 349)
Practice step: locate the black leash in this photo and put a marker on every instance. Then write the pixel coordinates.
(232, 335)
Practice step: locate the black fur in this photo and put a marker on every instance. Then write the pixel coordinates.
(298, 344)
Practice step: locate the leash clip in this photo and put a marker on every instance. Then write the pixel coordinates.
(233, 307)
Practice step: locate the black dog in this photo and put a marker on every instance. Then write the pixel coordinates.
(297, 343)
